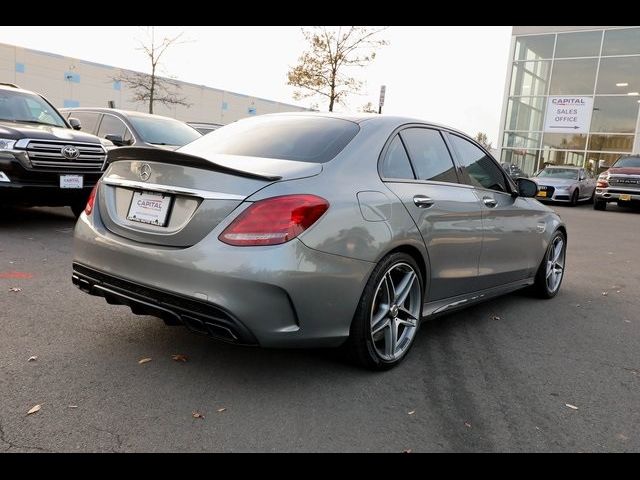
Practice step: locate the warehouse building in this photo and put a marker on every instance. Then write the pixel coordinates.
(572, 96)
(70, 82)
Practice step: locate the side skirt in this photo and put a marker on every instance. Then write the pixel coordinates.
(447, 305)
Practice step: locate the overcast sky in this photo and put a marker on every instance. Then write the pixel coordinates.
(449, 75)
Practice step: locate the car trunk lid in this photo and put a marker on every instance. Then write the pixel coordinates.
(174, 199)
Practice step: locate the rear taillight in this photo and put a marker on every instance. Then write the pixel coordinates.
(274, 220)
(92, 198)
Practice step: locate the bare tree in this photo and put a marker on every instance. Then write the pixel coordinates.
(150, 88)
(322, 68)
(483, 140)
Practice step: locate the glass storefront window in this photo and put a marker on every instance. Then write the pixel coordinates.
(562, 157)
(601, 161)
(624, 41)
(566, 141)
(525, 113)
(574, 77)
(530, 78)
(578, 44)
(611, 143)
(615, 114)
(619, 75)
(527, 160)
(522, 140)
(534, 47)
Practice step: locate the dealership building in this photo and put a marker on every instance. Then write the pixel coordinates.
(572, 97)
(70, 82)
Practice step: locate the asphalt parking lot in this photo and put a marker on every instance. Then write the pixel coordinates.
(513, 374)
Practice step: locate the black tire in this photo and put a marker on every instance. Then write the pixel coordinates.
(77, 207)
(599, 205)
(541, 287)
(575, 197)
(592, 198)
(361, 345)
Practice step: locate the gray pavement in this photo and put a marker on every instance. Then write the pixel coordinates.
(473, 382)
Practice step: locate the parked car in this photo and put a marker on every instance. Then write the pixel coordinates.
(126, 128)
(514, 171)
(296, 230)
(43, 159)
(204, 128)
(620, 183)
(565, 184)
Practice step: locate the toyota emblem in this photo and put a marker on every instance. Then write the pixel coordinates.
(145, 172)
(70, 152)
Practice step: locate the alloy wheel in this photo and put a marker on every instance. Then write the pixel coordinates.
(555, 264)
(395, 311)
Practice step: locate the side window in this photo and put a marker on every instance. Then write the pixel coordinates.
(88, 120)
(482, 170)
(429, 155)
(111, 126)
(396, 162)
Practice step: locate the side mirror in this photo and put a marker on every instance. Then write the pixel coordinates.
(527, 188)
(75, 123)
(582, 177)
(117, 140)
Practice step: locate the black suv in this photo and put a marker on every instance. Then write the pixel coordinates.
(43, 159)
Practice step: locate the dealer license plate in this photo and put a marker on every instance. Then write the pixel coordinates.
(542, 194)
(149, 207)
(624, 197)
(71, 181)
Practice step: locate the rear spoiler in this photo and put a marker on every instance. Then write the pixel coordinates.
(161, 155)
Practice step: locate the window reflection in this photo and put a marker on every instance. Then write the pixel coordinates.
(530, 78)
(522, 139)
(619, 75)
(567, 141)
(562, 157)
(534, 47)
(578, 44)
(615, 114)
(574, 77)
(525, 113)
(625, 41)
(612, 143)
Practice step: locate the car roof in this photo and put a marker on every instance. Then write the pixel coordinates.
(114, 111)
(11, 88)
(391, 120)
(564, 167)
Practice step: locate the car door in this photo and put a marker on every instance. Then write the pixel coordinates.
(418, 168)
(512, 228)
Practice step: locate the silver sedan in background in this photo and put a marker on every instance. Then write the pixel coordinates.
(565, 184)
(301, 230)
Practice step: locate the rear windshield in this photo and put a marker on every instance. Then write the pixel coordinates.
(163, 131)
(566, 173)
(303, 139)
(633, 162)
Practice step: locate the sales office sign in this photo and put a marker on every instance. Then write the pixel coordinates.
(568, 114)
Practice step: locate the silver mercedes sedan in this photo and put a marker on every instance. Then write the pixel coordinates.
(311, 230)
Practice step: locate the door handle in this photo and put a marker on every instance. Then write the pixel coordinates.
(489, 202)
(422, 201)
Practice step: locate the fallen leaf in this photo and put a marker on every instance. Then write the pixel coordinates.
(15, 289)
(411, 412)
(617, 291)
(627, 321)
(578, 305)
(73, 406)
(408, 450)
(34, 409)
(32, 358)
(622, 436)
(495, 317)
(144, 360)
(467, 424)
(179, 358)
(197, 415)
(604, 294)
(572, 407)
(222, 409)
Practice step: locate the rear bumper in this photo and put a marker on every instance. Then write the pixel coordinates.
(280, 296)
